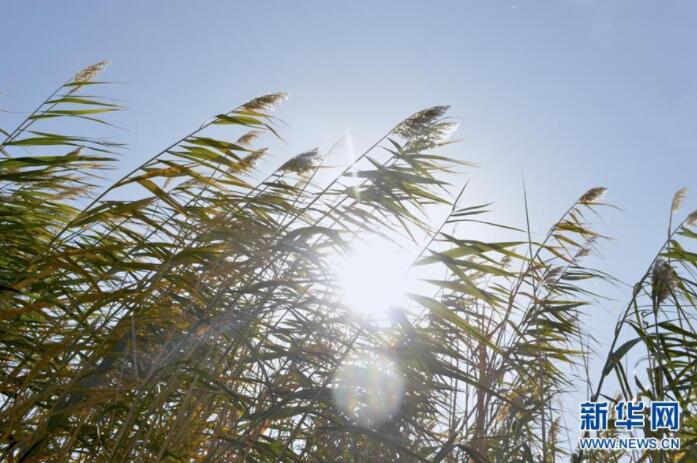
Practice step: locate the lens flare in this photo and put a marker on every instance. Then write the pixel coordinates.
(369, 389)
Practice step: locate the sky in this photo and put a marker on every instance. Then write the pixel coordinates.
(568, 94)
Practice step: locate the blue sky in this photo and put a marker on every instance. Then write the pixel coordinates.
(570, 94)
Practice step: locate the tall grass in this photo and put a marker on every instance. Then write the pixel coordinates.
(200, 320)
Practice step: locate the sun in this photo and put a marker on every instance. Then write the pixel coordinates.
(373, 276)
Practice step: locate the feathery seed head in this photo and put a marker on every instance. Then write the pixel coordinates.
(586, 249)
(302, 163)
(265, 102)
(90, 72)
(77, 151)
(550, 278)
(247, 138)
(678, 199)
(416, 123)
(662, 280)
(583, 252)
(426, 129)
(692, 218)
(425, 116)
(593, 195)
(249, 161)
(444, 130)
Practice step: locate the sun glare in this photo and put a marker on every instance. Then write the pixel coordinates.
(373, 278)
